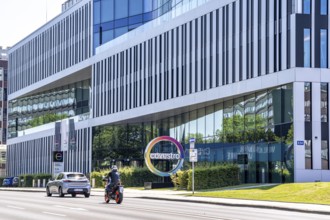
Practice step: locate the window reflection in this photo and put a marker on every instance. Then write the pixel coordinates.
(324, 48)
(239, 127)
(306, 6)
(308, 154)
(48, 107)
(307, 47)
(307, 98)
(129, 14)
(325, 155)
(324, 102)
(323, 7)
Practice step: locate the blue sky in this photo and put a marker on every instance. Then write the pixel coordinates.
(19, 18)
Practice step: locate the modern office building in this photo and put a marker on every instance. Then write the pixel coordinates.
(248, 79)
(3, 95)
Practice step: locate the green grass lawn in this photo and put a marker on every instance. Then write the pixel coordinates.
(317, 193)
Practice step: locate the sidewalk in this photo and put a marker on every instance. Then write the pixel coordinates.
(186, 196)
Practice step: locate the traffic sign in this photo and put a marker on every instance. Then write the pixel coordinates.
(192, 143)
(193, 155)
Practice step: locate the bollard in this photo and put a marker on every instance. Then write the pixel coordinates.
(44, 182)
(33, 183)
(93, 183)
(38, 182)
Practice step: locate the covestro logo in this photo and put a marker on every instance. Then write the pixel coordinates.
(179, 156)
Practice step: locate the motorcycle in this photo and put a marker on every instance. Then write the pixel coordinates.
(116, 193)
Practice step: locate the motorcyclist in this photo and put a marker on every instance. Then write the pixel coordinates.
(113, 178)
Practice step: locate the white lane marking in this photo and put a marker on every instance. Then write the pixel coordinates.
(72, 208)
(50, 213)
(14, 207)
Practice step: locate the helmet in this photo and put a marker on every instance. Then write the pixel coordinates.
(114, 167)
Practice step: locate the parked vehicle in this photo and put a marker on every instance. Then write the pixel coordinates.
(116, 193)
(10, 181)
(69, 183)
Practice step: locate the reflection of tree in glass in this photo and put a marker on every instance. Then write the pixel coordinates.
(117, 143)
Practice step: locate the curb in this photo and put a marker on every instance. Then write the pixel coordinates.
(239, 205)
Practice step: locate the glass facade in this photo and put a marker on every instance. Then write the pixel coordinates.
(113, 18)
(258, 126)
(50, 106)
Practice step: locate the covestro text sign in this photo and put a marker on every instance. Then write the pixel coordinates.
(179, 156)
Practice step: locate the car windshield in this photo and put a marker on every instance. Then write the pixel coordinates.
(75, 176)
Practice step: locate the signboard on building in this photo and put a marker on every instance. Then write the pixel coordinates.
(57, 156)
(300, 143)
(150, 156)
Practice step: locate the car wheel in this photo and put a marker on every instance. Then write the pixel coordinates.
(87, 195)
(73, 195)
(48, 192)
(60, 192)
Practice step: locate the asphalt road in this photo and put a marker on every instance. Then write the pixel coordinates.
(35, 205)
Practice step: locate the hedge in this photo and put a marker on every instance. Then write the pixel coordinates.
(129, 176)
(136, 176)
(214, 177)
(27, 180)
(207, 177)
(1, 180)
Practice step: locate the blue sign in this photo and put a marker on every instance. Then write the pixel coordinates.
(192, 140)
(300, 143)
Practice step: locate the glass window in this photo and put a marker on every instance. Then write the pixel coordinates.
(325, 155)
(209, 118)
(107, 35)
(97, 12)
(135, 7)
(218, 122)
(121, 9)
(324, 102)
(307, 104)
(193, 126)
(307, 47)
(261, 109)
(147, 5)
(324, 48)
(287, 101)
(306, 6)
(308, 154)
(323, 7)
(120, 31)
(107, 10)
(238, 119)
(201, 124)
(228, 121)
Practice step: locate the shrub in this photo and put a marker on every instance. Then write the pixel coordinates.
(98, 176)
(41, 177)
(136, 176)
(27, 180)
(1, 180)
(214, 177)
(180, 179)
